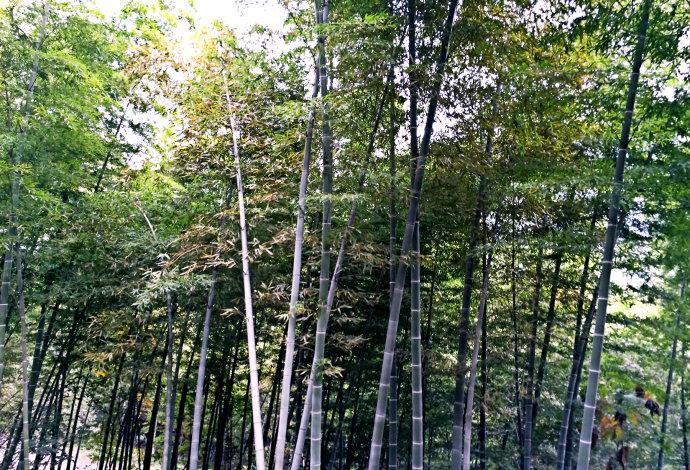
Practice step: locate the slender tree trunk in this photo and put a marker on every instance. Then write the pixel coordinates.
(26, 443)
(76, 422)
(459, 396)
(482, 404)
(248, 307)
(111, 412)
(15, 158)
(392, 243)
(513, 314)
(684, 411)
(183, 400)
(467, 431)
(201, 375)
(669, 383)
(417, 456)
(169, 385)
(391, 332)
(550, 316)
(4, 298)
(531, 358)
(417, 427)
(393, 421)
(294, 290)
(324, 315)
(564, 438)
(151, 434)
(321, 9)
(609, 247)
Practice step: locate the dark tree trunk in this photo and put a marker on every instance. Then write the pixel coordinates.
(609, 246)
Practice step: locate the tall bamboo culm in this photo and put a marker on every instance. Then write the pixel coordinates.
(396, 301)
(294, 290)
(609, 246)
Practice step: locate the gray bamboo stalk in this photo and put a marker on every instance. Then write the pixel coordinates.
(321, 10)
(609, 247)
(578, 350)
(5, 294)
(415, 190)
(548, 329)
(417, 427)
(294, 291)
(201, 374)
(330, 297)
(531, 357)
(26, 111)
(669, 383)
(417, 454)
(248, 307)
(393, 421)
(467, 432)
(392, 241)
(169, 385)
(21, 307)
(684, 409)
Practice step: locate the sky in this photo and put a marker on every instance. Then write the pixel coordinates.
(240, 15)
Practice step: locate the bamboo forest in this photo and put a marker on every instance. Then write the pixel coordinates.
(344, 234)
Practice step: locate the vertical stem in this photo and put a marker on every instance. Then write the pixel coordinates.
(201, 375)
(26, 444)
(169, 385)
(609, 247)
(550, 316)
(531, 357)
(684, 411)
(321, 9)
(415, 191)
(669, 383)
(294, 290)
(564, 438)
(467, 433)
(248, 307)
(15, 158)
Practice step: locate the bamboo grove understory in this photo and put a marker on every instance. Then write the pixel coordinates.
(382, 234)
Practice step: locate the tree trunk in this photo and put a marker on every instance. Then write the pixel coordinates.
(15, 159)
(169, 385)
(248, 307)
(684, 411)
(550, 316)
(467, 432)
(26, 444)
(111, 411)
(392, 242)
(564, 438)
(669, 383)
(153, 421)
(294, 290)
(531, 358)
(183, 400)
(609, 247)
(327, 184)
(396, 301)
(76, 422)
(324, 314)
(482, 403)
(459, 396)
(201, 375)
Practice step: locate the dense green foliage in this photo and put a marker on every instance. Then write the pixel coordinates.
(118, 198)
